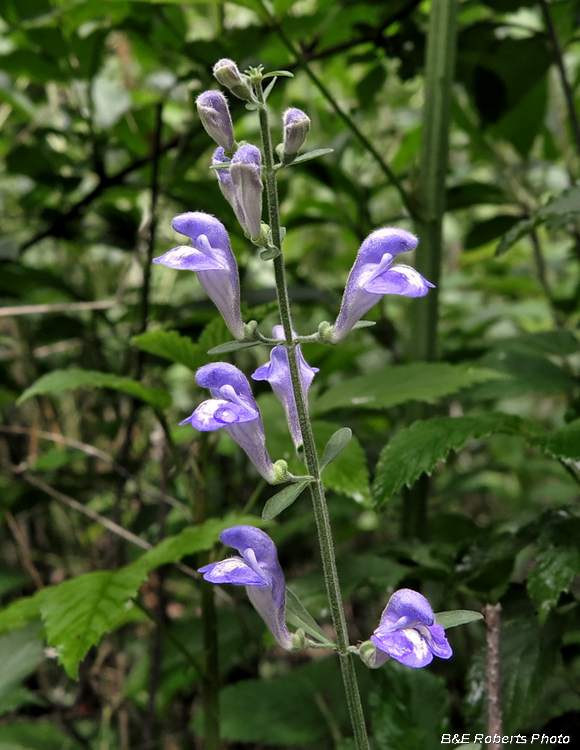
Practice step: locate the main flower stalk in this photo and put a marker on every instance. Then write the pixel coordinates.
(310, 456)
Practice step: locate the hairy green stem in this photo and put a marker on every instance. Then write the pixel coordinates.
(320, 506)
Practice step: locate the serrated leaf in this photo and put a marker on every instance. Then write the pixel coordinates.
(19, 614)
(409, 708)
(557, 562)
(63, 380)
(563, 443)
(418, 448)
(282, 500)
(311, 155)
(455, 617)
(172, 346)
(396, 385)
(565, 206)
(78, 612)
(336, 445)
(232, 346)
(298, 616)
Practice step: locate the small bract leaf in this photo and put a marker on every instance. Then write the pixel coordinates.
(269, 253)
(269, 88)
(364, 324)
(455, 617)
(282, 500)
(298, 616)
(279, 73)
(311, 155)
(336, 445)
(232, 346)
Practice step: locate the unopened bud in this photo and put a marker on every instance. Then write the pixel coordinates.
(296, 128)
(214, 114)
(245, 173)
(225, 182)
(371, 655)
(228, 74)
(281, 471)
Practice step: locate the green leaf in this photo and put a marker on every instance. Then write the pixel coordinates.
(78, 612)
(348, 474)
(409, 708)
(337, 443)
(563, 443)
(19, 613)
(530, 654)
(488, 230)
(557, 562)
(172, 346)
(20, 653)
(524, 373)
(62, 380)
(455, 617)
(396, 385)
(298, 616)
(282, 500)
(311, 155)
(279, 73)
(418, 448)
(35, 735)
(232, 346)
(364, 324)
(565, 207)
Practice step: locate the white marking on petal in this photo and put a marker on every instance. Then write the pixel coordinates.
(411, 275)
(420, 646)
(205, 411)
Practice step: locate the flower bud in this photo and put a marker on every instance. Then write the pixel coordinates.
(371, 656)
(228, 74)
(225, 183)
(246, 179)
(296, 127)
(214, 114)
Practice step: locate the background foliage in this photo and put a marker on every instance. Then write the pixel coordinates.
(102, 643)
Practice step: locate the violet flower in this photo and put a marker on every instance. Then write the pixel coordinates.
(259, 571)
(296, 128)
(225, 183)
(233, 407)
(212, 259)
(407, 632)
(212, 107)
(245, 173)
(372, 276)
(277, 373)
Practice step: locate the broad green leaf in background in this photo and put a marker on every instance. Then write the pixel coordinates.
(409, 708)
(20, 653)
(62, 380)
(171, 345)
(19, 614)
(418, 448)
(557, 562)
(562, 443)
(397, 385)
(348, 473)
(78, 612)
(35, 735)
(563, 208)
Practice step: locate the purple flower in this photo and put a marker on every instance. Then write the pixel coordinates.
(408, 632)
(259, 571)
(372, 276)
(233, 406)
(296, 128)
(225, 183)
(212, 107)
(277, 373)
(245, 173)
(212, 258)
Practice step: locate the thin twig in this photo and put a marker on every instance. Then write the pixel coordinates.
(56, 307)
(90, 450)
(493, 673)
(24, 549)
(559, 59)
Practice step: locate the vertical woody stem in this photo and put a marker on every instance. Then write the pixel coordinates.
(311, 459)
